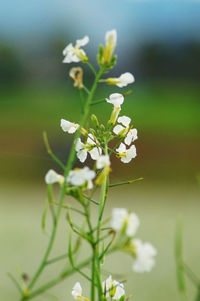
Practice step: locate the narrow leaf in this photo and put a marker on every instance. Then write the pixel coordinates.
(178, 257)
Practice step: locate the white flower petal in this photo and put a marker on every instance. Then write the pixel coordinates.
(77, 291)
(121, 149)
(125, 120)
(145, 253)
(111, 37)
(68, 126)
(118, 128)
(52, 177)
(116, 99)
(103, 161)
(133, 224)
(95, 153)
(82, 42)
(119, 215)
(125, 79)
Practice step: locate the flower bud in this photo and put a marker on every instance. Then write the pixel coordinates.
(84, 132)
(95, 120)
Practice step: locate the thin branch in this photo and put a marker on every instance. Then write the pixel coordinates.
(15, 282)
(125, 182)
(49, 151)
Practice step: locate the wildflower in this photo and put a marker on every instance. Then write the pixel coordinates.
(89, 147)
(113, 289)
(126, 155)
(122, 81)
(145, 253)
(124, 130)
(52, 177)
(111, 40)
(80, 176)
(76, 73)
(103, 161)
(77, 292)
(124, 221)
(117, 100)
(74, 54)
(68, 126)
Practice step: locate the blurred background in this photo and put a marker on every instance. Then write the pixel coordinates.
(159, 42)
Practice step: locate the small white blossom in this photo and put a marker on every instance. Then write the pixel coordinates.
(89, 147)
(122, 219)
(113, 289)
(122, 81)
(125, 120)
(126, 155)
(80, 176)
(103, 161)
(74, 54)
(124, 130)
(116, 99)
(69, 127)
(52, 177)
(131, 136)
(145, 253)
(77, 291)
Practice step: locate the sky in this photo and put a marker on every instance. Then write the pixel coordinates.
(142, 20)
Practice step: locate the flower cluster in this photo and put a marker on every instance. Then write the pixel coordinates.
(143, 252)
(112, 290)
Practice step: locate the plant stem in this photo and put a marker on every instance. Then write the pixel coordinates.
(63, 189)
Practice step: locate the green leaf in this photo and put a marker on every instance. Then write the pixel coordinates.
(100, 55)
(198, 294)
(44, 216)
(122, 298)
(112, 62)
(178, 257)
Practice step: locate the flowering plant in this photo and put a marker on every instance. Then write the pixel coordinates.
(100, 142)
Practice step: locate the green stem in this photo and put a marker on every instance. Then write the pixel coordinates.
(63, 189)
(104, 189)
(125, 182)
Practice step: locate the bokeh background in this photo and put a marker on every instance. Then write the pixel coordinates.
(159, 42)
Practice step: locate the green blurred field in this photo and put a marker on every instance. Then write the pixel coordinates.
(166, 114)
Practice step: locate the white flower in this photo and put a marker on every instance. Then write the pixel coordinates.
(131, 136)
(122, 81)
(89, 147)
(77, 291)
(116, 99)
(68, 126)
(113, 289)
(124, 130)
(74, 53)
(52, 177)
(126, 155)
(121, 219)
(145, 253)
(78, 177)
(103, 161)
(125, 120)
